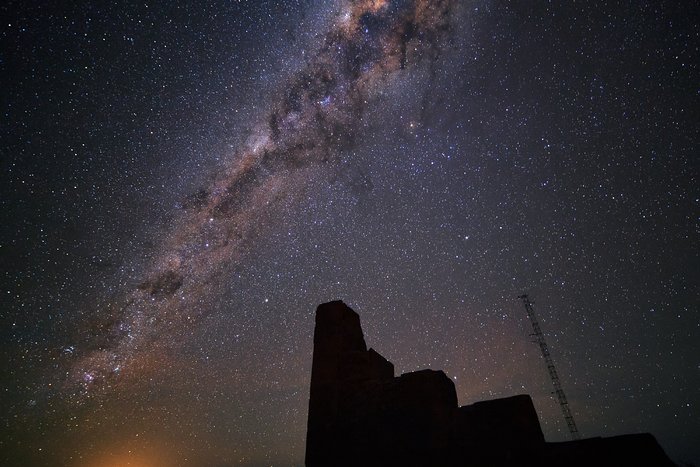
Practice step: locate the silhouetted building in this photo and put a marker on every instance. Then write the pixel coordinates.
(360, 414)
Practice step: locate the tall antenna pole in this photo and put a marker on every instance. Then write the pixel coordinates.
(539, 339)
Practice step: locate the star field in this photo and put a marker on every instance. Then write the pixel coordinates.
(183, 184)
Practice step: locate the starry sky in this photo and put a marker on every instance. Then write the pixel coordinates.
(183, 183)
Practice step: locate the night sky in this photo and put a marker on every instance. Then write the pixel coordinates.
(182, 183)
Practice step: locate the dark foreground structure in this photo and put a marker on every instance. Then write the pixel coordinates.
(361, 415)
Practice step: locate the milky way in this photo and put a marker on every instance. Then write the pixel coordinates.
(183, 183)
(316, 118)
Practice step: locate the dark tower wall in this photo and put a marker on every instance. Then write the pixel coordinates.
(340, 360)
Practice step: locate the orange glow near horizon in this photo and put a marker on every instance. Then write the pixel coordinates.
(132, 457)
